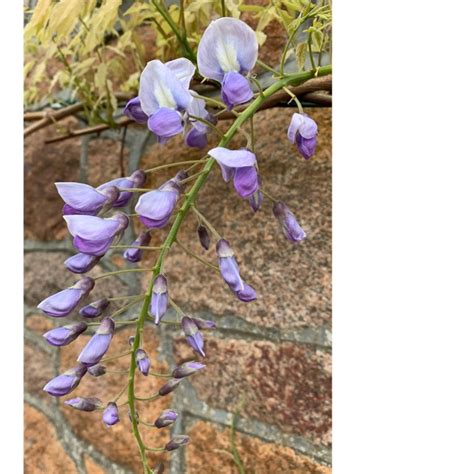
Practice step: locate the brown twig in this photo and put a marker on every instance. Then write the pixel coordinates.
(50, 117)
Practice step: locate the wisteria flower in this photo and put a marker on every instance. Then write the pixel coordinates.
(111, 414)
(187, 369)
(81, 263)
(196, 136)
(168, 417)
(204, 323)
(66, 382)
(227, 51)
(84, 404)
(230, 272)
(98, 344)
(292, 230)
(177, 442)
(64, 335)
(155, 207)
(97, 370)
(159, 298)
(143, 361)
(169, 386)
(164, 95)
(94, 235)
(135, 255)
(135, 180)
(240, 165)
(94, 309)
(193, 336)
(63, 303)
(303, 131)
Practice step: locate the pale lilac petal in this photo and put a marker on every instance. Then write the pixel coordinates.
(246, 181)
(92, 227)
(97, 248)
(135, 255)
(235, 89)
(156, 205)
(233, 158)
(183, 69)
(227, 45)
(62, 303)
(124, 197)
(230, 273)
(165, 123)
(61, 336)
(98, 344)
(295, 124)
(81, 196)
(247, 294)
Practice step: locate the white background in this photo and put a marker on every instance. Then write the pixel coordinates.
(403, 237)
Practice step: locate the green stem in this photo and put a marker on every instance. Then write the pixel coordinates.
(125, 270)
(171, 237)
(170, 165)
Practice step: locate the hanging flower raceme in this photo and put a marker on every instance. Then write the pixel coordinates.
(81, 263)
(155, 207)
(94, 309)
(63, 303)
(196, 136)
(168, 417)
(94, 235)
(135, 255)
(187, 369)
(159, 298)
(164, 95)
(193, 336)
(228, 49)
(143, 361)
(240, 165)
(231, 274)
(64, 335)
(292, 230)
(66, 382)
(84, 404)
(98, 344)
(135, 180)
(304, 132)
(111, 414)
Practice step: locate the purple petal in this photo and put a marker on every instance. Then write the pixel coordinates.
(135, 255)
(186, 369)
(246, 181)
(124, 197)
(92, 247)
(81, 197)
(292, 230)
(235, 89)
(92, 227)
(233, 158)
(66, 382)
(166, 418)
(306, 146)
(62, 303)
(295, 124)
(134, 110)
(230, 273)
(157, 205)
(98, 344)
(195, 138)
(227, 45)
(247, 294)
(64, 335)
(111, 414)
(70, 211)
(165, 123)
(84, 404)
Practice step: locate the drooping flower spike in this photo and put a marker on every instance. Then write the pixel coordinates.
(135, 255)
(164, 95)
(94, 235)
(64, 335)
(63, 303)
(135, 180)
(66, 382)
(193, 336)
(81, 263)
(143, 361)
(111, 414)
(303, 131)
(155, 207)
(168, 417)
(227, 51)
(159, 298)
(240, 165)
(98, 344)
(84, 404)
(230, 272)
(94, 309)
(292, 230)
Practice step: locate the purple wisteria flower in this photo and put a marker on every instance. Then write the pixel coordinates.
(204, 323)
(97, 370)
(240, 165)
(94, 309)
(193, 336)
(196, 136)
(186, 369)
(177, 442)
(168, 417)
(169, 386)
(84, 404)
(135, 255)
(63, 303)
(81, 263)
(134, 110)
(135, 180)
(159, 298)
(204, 238)
(66, 382)
(143, 361)
(228, 49)
(98, 344)
(155, 207)
(231, 274)
(64, 335)
(83, 199)
(164, 95)
(292, 230)
(94, 235)
(111, 414)
(304, 132)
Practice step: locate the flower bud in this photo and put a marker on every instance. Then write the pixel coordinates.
(135, 255)
(169, 386)
(98, 344)
(94, 309)
(81, 263)
(66, 334)
(193, 336)
(168, 417)
(159, 298)
(303, 131)
(204, 323)
(204, 237)
(63, 303)
(186, 369)
(142, 361)
(111, 414)
(66, 382)
(177, 442)
(292, 230)
(84, 404)
(131, 340)
(97, 370)
(255, 200)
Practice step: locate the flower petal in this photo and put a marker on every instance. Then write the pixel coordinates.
(134, 110)
(183, 69)
(81, 196)
(156, 205)
(91, 227)
(81, 263)
(62, 303)
(233, 158)
(165, 123)
(246, 181)
(235, 89)
(97, 248)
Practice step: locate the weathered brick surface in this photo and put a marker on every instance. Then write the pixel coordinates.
(210, 451)
(38, 369)
(43, 451)
(92, 467)
(284, 385)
